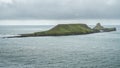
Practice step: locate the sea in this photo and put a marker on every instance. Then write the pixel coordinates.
(98, 50)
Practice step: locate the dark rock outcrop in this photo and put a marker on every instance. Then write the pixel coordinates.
(99, 28)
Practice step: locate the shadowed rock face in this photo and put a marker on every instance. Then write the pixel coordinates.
(69, 29)
(99, 28)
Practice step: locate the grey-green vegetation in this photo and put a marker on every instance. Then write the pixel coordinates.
(69, 29)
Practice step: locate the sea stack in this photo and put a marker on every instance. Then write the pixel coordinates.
(99, 28)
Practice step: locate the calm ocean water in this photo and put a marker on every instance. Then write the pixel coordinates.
(99, 50)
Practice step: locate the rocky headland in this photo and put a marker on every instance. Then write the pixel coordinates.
(69, 29)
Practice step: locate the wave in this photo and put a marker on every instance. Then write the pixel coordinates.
(4, 36)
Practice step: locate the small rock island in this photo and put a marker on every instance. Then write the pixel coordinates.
(100, 28)
(68, 29)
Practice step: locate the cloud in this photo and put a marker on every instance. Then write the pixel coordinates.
(59, 9)
(111, 2)
(6, 1)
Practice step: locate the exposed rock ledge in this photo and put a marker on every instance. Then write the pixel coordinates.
(68, 29)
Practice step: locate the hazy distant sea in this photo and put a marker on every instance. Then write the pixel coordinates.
(99, 50)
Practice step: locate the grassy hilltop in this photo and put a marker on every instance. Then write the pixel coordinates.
(64, 29)
(69, 29)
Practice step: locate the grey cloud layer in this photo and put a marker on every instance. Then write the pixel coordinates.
(60, 9)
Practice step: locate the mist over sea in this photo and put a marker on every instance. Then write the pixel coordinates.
(55, 22)
(99, 50)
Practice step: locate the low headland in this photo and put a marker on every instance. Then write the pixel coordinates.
(68, 29)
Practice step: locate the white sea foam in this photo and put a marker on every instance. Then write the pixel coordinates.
(3, 36)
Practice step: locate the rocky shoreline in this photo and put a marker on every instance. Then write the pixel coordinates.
(68, 29)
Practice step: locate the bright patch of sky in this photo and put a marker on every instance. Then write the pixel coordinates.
(6, 1)
(55, 22)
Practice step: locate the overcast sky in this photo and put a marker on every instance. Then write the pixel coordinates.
(59, 9)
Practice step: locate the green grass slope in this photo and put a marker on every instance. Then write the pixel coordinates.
(64, 29)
